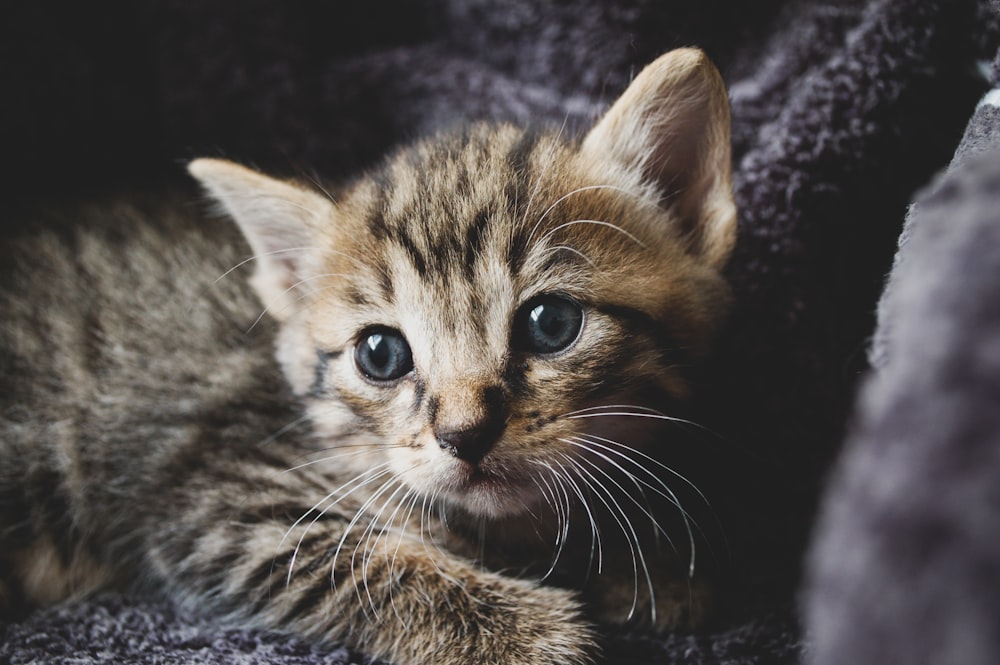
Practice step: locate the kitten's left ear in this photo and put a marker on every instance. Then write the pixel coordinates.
(672, 125)
(279, 219)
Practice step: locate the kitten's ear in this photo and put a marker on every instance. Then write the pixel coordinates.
(672, 124)
(279, 220)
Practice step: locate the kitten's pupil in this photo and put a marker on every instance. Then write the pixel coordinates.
(549, 324)
(382, 354)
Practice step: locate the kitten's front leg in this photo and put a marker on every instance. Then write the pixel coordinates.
(399, 599)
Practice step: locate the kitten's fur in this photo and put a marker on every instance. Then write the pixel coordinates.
(144, 434)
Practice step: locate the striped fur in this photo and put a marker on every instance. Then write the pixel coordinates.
(148, 438)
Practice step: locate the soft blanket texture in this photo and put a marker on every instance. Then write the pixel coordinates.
(841, 111)
(906, 566)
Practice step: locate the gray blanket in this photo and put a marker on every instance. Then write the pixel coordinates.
(841, 111)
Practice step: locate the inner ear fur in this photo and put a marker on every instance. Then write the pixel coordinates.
(672, 125)
(280, 221)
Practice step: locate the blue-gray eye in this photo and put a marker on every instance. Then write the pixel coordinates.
(382, 354)
(548, 324)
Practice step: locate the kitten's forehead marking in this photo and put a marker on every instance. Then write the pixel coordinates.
(462, 231)
(448, 221)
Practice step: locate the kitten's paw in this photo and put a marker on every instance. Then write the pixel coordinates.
(517, 623)
(548, 629)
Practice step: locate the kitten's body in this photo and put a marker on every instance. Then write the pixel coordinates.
(462, 333)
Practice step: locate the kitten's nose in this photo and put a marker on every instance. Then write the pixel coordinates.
(470, 444)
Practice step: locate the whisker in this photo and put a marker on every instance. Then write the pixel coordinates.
(595, 531)
(257, 257)
(280, 432)
(358, 515)
(562, 520)
(635, 451)
(637, 407)
(410, 498)
(631, 537)
(567, 248)
(315, 182)
(639, 483)
(330, 458)
(580, 190)
(595, 222)
(359, 481)
(294, 286)
(425, 516)
(370, 546)
(654, 416)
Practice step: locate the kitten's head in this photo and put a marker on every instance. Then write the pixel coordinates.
(486, 302)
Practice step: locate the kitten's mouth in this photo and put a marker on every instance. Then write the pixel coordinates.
(469, 477)
(483, 491)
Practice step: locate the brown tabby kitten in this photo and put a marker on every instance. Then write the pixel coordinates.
(478, 344)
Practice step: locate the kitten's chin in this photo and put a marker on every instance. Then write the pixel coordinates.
(485, 493)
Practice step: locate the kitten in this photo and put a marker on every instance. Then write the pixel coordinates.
(477, 346)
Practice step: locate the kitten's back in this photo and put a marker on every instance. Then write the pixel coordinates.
(122, 338)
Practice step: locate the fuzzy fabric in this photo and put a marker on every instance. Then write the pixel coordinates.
(906, 566)
(842, 109)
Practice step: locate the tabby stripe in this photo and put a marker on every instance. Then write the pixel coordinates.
(377, 223)
(219, 568)
(385, 283)
(433, 404)
(286, 511)
(519, 159)
(419, 390)
(638, 321)
(474, 236)
(322, 367)
(416, 256)
(279, 564)
(516, 381)
(320, 589)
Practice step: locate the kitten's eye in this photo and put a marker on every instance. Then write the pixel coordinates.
(382, 354)
(548, 324)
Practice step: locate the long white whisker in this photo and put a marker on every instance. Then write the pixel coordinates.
(369, 546)
(277, 434)
(358, 515)
(578, 191)
(425, 517)
(595, 222)
(639, 483)
(595, 542)
(555, 248)
(562, 518)
(665, 492)
(410, 499)
(358, 481)
(257, 257)
(654, 416)
(330, 458)
(631, 537)
(294, 286)
(636, 407)
(318, 185)
(634, 451)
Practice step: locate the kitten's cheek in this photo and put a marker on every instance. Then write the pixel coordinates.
(297, 356)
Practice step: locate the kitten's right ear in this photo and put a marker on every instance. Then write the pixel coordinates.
(672, 126)
(279, 220)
